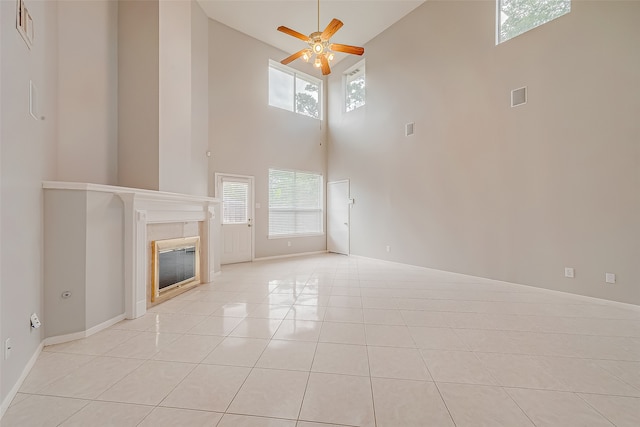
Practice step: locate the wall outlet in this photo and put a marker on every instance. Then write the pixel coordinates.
(7, 348)
(388, 248)
(610, 277)
(568, 272)
(35, 322)
(288, 243)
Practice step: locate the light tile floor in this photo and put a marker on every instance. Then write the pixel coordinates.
(331, 340)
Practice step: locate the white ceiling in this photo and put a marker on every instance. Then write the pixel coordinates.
(363, 19)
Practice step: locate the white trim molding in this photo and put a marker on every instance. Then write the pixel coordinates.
(145, 207)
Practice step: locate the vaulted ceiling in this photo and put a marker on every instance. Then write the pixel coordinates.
(363, 19)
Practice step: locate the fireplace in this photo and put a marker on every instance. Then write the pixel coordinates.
(175, 267)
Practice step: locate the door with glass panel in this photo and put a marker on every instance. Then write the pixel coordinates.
(236, 193)
(338, 204)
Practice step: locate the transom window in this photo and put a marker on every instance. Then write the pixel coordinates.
(295, 203)
(292, 90)
(354, 89)
(518, 16)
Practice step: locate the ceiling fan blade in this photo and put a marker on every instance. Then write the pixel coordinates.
(331, 29)
(353, 50)
(293, 33)
(325, 65)
(293, 57)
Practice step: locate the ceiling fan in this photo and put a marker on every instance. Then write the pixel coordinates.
(319, 45)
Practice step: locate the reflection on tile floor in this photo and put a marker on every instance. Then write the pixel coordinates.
(330, 340)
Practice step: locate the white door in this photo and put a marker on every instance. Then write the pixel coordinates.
(236, 193)
(338, 217)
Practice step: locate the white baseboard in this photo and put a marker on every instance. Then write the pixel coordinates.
(16, 387)
(578, 297)
(59, 339)
(50, 341)
(104, 325)
(141, 309)
(267, 258)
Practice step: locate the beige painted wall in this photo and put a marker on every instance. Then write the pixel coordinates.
(162, 145)
(515, 194)
(175, 96)
(88, 91)
(138, 82)
(247, 136)
(199, 162)
(28, 153)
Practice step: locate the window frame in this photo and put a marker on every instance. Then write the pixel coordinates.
(499, 22)
(296, 75)
(348, 76)
(321, 209)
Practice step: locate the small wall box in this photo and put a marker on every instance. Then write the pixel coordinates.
(24, 23)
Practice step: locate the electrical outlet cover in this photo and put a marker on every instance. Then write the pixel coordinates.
(35, 322)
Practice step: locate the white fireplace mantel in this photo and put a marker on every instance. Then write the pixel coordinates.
(145, 207)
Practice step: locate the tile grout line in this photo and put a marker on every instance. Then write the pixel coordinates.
(594, 408)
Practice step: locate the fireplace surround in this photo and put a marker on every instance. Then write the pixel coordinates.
(175, 267)
(97, 249)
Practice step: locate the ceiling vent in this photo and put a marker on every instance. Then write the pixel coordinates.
(409, 129)
(519, 96)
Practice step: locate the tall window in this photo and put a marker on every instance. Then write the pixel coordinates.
(294, 91)
(518, 16)
(354, 90)
(295, 203)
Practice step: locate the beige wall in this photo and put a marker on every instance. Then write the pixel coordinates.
(138, 82)
(88, 91)
(162, 145)
(175, 96)
(515, 194)
(247, 136)
(199, 162)
(28, 153)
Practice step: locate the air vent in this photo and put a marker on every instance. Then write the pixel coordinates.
(354, 72)
(409, 129)
(519, 96)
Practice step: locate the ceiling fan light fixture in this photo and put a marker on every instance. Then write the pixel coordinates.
(320, 48)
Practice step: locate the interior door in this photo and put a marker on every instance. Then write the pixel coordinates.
(236, 193)
(338, 217)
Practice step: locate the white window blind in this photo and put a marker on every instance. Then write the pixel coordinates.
(295, 203)
(235, 202)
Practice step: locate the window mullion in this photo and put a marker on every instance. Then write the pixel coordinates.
(295, 78)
